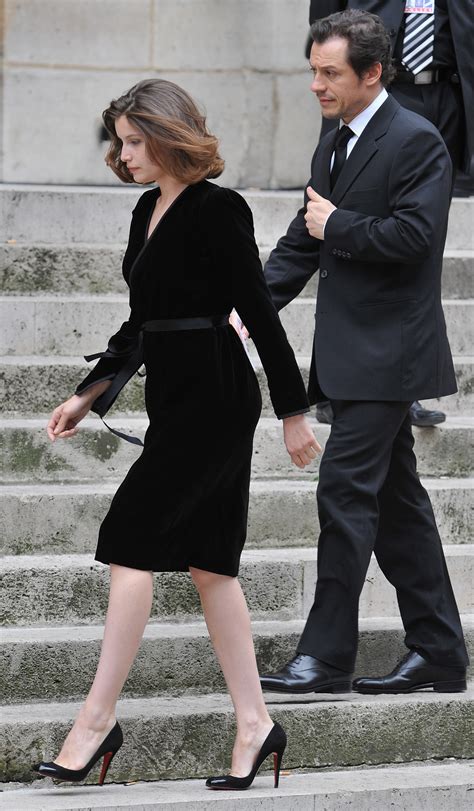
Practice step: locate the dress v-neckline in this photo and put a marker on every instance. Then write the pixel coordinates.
(149, 236)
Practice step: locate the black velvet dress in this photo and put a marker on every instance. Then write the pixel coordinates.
(184, 502)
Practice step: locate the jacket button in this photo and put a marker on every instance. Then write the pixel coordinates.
(324, 274)
(393, 31)
(334, 251)
(349, 256)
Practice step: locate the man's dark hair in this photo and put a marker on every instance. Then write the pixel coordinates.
(367, 39)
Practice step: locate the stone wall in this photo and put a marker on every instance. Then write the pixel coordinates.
(243, 60)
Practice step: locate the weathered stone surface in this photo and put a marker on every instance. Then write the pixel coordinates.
(278, 583)
(64, 519)
(72, 325)
(195, 734)
(71, 101)
(98, 215)
(30, 269)
(112, 33)
(266, 36)
(17, 326)
(96, 269)
(74, 589)
(57, 663)
(241, 111)
(420, 787)
(29, 456)
(229, 56)
(298, 122)
(52, 379)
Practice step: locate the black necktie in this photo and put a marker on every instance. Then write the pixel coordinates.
(340, 152)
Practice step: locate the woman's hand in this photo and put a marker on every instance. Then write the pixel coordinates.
(66, 416)
(236, 322)
(300, 440)
(64, 419)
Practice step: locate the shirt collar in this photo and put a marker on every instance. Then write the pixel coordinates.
(359, 123)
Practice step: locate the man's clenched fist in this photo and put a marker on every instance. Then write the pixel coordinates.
(317, 212)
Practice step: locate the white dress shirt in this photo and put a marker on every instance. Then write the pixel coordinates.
(359, 123)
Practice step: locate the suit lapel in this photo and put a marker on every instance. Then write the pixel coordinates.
(365, 148)
(363, 152)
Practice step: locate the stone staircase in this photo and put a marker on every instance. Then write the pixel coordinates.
(63, 295)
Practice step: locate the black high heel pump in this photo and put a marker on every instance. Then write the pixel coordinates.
(108, 748)
(274, 743)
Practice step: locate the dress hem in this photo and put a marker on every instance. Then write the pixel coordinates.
(145, 568)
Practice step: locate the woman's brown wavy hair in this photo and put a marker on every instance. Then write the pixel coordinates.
(174, 129)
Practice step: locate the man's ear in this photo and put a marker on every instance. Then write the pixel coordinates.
(373, 74)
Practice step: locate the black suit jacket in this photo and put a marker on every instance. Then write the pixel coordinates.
(461, 21)
(380, 332)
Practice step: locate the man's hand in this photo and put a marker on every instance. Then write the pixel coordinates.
(317, 212)
(300, 441)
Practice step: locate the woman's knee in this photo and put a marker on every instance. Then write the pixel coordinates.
(205, 580)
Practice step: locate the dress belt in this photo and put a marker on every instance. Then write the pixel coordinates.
(134, 359)
(178, 324)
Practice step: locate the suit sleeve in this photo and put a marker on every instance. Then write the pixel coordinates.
(229, 224)
(419, 194)
(294, 259)
(292, 262)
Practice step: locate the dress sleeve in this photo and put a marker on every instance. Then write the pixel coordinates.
(122, 358)
(229, 223)
(118, 363)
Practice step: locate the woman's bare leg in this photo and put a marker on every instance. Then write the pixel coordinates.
(228, 622)
(130, 599)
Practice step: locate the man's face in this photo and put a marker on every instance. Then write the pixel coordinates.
(341, 93)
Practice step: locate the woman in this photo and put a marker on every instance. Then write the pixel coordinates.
(190, 259)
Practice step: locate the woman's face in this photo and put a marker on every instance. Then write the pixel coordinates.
(134, 152)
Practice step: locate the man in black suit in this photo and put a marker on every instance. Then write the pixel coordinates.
(442, 91)
(374, 222)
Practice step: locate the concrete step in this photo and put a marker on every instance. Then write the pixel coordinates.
(422, 787)
(278, 583)
(27, 269)
(77, 325)
(95, 453)
(169, 739)
(95, 214)
(57, 663)
(53, 378)
(64, 518)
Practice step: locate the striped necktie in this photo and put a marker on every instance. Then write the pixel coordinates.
(418, 41)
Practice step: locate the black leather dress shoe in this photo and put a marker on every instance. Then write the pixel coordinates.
(305, 674)
(423, 417)
(324, 412)
(415, 673)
